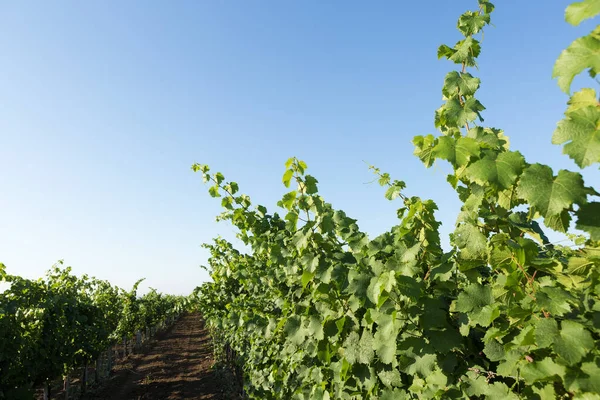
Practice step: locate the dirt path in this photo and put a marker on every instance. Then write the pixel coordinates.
(177, 366)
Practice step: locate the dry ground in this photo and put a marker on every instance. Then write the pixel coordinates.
(177, 366)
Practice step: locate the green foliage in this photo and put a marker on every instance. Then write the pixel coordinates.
(582, 54)
(581, 131)
(579, 11)
(318, 310)
(52, 325)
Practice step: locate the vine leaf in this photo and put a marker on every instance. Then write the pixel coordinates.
(379, 284)
(474, 298)
(573, 342)
(503, 171)
(546, 330)
(457, 151)
(424, 149)
(422, 365)
(471, 22)
(310, 183)
(551, 195)
(287, 177)
(394, 394)
(390, 378)
(588, 219)
(577, 12)
(580, 130)
(465, 51)
(494, 350)
(585, 97)
(359, 348)
(385, 339)
(583, 53)
(542, 370)
(472, 243)
(294, 330)
(457, 113)
(463, 83)
(591, 380)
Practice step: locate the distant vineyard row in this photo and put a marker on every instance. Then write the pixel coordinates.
(51, 326)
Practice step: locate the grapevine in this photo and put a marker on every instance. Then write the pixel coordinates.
(318, 310)
(49, 327)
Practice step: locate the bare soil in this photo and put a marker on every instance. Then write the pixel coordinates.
(177, 366)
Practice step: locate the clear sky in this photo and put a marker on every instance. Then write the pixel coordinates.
(104, 106)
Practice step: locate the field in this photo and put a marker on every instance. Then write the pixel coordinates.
(177, 366)
(313, 308)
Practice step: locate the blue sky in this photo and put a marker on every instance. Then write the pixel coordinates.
(104, 106)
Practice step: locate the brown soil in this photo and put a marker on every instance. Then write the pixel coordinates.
(177, 366)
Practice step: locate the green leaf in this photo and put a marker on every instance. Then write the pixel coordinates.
(465, 51)
(307, 276)
(288, 199)
(539, 391)
(580, 130)
(588, 219)
(390, 378)
(471, 22)
(394, 190)
(474, 297)
(456, 151)
(422, 365)
(460, 83)
(503, 171)
(300, 240)
(590, 379)
(292, 217)
(408, 286)
(494, 350)
(509, 366)
(315, 328)
(227, 202)
(526, 336)
(385, 339)
(577, 12)
(554, 300)
(287, 177)
(445, 340)
(583, 53)
(424, 149)
(359, 349)
(471, 242)
(293, 328)
(365, 376)
(457, 114)
(486, 6)
(214, 191)
(437, 379)
(559, 222)
(311, 184)
(500, 391)
(542, 370)
(546, 330)
(320, 394)
(384, 179)
(573, 342)
(384, 282)
(484, 316)
(582, 99)
(394, 394)
(551, 195)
